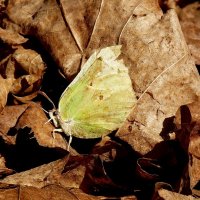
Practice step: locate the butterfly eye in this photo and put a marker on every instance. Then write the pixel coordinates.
(55, 112)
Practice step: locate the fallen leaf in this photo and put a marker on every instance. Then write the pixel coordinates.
(156, 41)
(5, 88)
(21, 74)
(96, 25)
(36, 177)
(4, 171)
(9, 193)
(163, 75)
(8, 119)
(83, 196)
(194, 146)
(26, 68)
(47, 192)
(35, 119)
(189, 19)
(148, 169)
(188, 124)
(169, 195)
(11, 38)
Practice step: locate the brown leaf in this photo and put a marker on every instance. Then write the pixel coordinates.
(83, 196)
(11, 37)
(8, 120)
(164, 76)
(36, 177)
(190, 23)
(3, 169)
(29, 67)
(45, 193)
(21, 74)
(9, 193)
(148, 169)
(97, 24)
(188, 123)
(35, 118)
(169, 195)
(194, 145)
(5, 88)
(156, 53)
(48, 192)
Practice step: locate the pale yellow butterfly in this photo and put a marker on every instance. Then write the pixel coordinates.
(100, 97)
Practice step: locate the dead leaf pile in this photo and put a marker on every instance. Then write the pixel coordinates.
(156, 152)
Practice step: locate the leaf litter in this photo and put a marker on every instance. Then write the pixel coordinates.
(159, 141)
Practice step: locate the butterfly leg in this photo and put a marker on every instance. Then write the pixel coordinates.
(59, 130)
(69, 143)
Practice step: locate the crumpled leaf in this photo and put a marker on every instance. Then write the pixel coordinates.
(194, 146)
(45, 193)
(156, 53)
(188, 124)
(190, 23)
(96, 25)
(35, 119)
(37, 177)
(26, 68)
(8, 120)
(154, 49)
(5, 88)
(148, 169)
(4, 171)
(164, 76)
(21, 74)
(11, 37)
(169, 195)
(48, 192)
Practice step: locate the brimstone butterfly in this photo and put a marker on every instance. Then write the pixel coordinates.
(100, 97)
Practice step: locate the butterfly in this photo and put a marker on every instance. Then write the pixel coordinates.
(99, 98)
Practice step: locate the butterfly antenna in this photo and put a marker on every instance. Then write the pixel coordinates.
(47, 97)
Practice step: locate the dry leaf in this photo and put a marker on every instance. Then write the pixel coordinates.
(9, 193)
(31, 116)
(45, 193)
(26, 68)
(194, 145)
(4, 171)
(36, 177)
(8, 119)
(21, 74)
(190, 23)
(156, 53)
(169, 195)
(96, 25)
(188, 123)
(35, 118)
(11, 37)
(163, 74)
(83, 196)
(48, 192)
(5, 88)
(68, 172)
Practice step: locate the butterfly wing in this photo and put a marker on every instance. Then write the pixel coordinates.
(100, 97)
